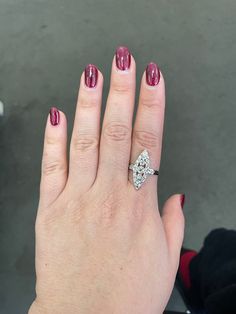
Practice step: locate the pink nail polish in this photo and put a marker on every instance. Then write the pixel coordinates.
(152, 74)
(54, 116)
(182, 200)
(123, 58)
(91, 75)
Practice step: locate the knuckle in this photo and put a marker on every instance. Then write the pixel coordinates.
(121, 87)
(75, 209)
(88, 101)
(117, 132)
(52, 167)
(45, 220)
(107, 212)
(84, 143)
(151, 102)
(109, 207)
(147, 139)
(138, 211)
(52, 141)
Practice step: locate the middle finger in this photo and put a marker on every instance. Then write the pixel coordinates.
(115, 143)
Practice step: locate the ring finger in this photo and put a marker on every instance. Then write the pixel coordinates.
(148, 127)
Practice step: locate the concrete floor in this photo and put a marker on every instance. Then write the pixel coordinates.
(44, 46)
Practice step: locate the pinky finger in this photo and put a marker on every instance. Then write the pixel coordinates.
(173, 221)
(54, 161)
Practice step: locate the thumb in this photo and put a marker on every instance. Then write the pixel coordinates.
(173, 222)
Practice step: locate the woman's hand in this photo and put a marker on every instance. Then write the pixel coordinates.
(101, 245)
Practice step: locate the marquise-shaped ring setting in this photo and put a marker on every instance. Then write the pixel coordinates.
(141, 169)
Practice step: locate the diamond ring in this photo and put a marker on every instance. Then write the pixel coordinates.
(141, 169)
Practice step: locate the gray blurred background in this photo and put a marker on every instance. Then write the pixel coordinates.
(44, 47)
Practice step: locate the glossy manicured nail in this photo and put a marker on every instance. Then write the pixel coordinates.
(152, 74)
(182, 200)
(123, 58)
(54, 116)
(91, 75)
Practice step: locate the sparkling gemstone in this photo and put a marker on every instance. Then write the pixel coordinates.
(141, 169)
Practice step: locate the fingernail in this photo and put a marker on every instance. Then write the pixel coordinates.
(152, 74)
(54, 116)
(182, 200)
(91, 75)
(123, 58)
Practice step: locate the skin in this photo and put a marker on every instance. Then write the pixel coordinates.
(101, 245)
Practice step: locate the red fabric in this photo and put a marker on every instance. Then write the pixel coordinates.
(185, 259)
